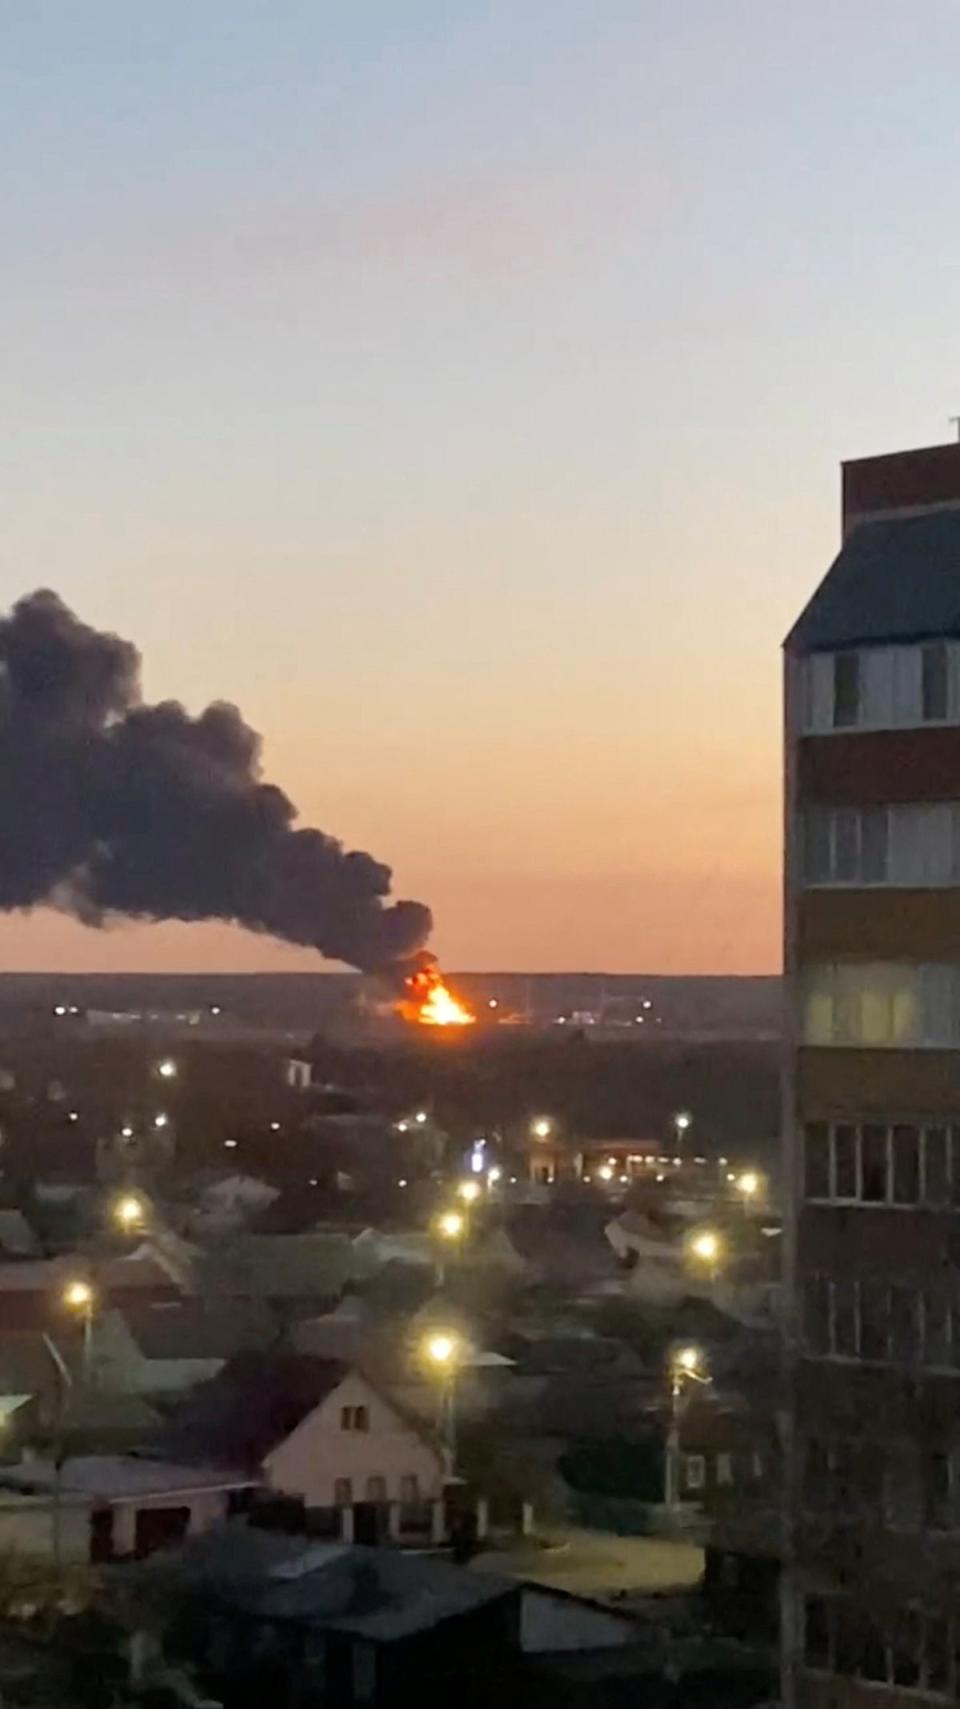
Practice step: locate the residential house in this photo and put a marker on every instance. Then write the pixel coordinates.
(121, 1506)
(323, 1433)
(275, 1617)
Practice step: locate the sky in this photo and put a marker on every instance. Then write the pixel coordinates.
(460, 388)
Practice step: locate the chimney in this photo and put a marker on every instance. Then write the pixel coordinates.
(902, 483)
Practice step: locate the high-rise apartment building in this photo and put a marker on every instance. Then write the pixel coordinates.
(871, 1582)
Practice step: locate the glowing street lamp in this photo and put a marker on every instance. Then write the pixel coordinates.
(129, 1213)
(79, 1298)
(682, 1123)
(541, 1127)
(686, 1365)
(748, 1184)
(451, 1225)
(167, 1069)
(443, 1353)
(469, 1192)
(707, 1248)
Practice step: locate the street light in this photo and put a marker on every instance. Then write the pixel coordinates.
(128, 1213)
(450, 1225)
(421, 1118)
(707, 1248)
(167, 1069)
(541, 1127)
(686, 1366)
(444, 1352)
(748, 1184)
(79, 1297)
(469, 1192)
(682, 1122)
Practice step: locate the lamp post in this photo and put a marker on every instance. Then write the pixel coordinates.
(682, 1123)
(79, 1297)
(129, 1213)
(707, 1249)
(443, 1352)
(450, 1229)
(685, 1367)
(748, 1186)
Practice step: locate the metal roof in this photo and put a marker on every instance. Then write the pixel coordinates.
(897, 580)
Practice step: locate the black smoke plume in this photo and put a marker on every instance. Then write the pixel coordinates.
(108, 807)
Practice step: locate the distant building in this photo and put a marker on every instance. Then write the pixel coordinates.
(871, 1607)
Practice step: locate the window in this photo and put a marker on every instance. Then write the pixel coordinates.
(936, 1172)
(724, 1468)
(906, 1165)
(818, 846)
(882, 1005)
(844, 1337)
(816, 1315)
(694, 1471)
(410, 1489)
(874, 846)
(376, 1489)
(845, 1172)
(817, 1476)
(846, 690)
(873, 1164)
(343, 1492)
(937, 1491)
(817, 1648)
(354, 1418)
(817, 1160)
(846, 846)
(905, 1343)
(874, 1320)
(935, 679)
(936, 1328)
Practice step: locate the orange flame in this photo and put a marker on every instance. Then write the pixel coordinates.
(431, 1003)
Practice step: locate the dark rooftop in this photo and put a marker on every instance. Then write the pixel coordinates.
(250, 1406)
(893, 581)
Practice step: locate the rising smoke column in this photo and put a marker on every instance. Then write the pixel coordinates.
(109, 806)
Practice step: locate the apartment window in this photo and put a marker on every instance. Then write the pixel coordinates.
(343, 1492)
(845, 1171)
(882, 1005)
(874, 1320)
(906, 1648)
(818, 865)
(903, 1490)
(873, 1164)
(935, 683)
(844, 1319)
(876, 1164)
(936, 1166)
(817, 1160)
(874, 846)
(937, 1490)
(905, 1341)
(906, 1165)
(410, 1489)
(724, 1468)
(817, 1475)
(936, 1329)
(816, 1315)
(846, 690)
(376, 1489)
(846, 846)
(817, 1646)
(355, 1418)
(695, 1471)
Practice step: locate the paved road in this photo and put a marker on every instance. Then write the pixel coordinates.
(597, 1563)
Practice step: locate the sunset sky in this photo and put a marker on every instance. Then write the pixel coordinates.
(460, 388)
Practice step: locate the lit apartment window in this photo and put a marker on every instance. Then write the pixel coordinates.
(846, 690)
(882, 1005)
